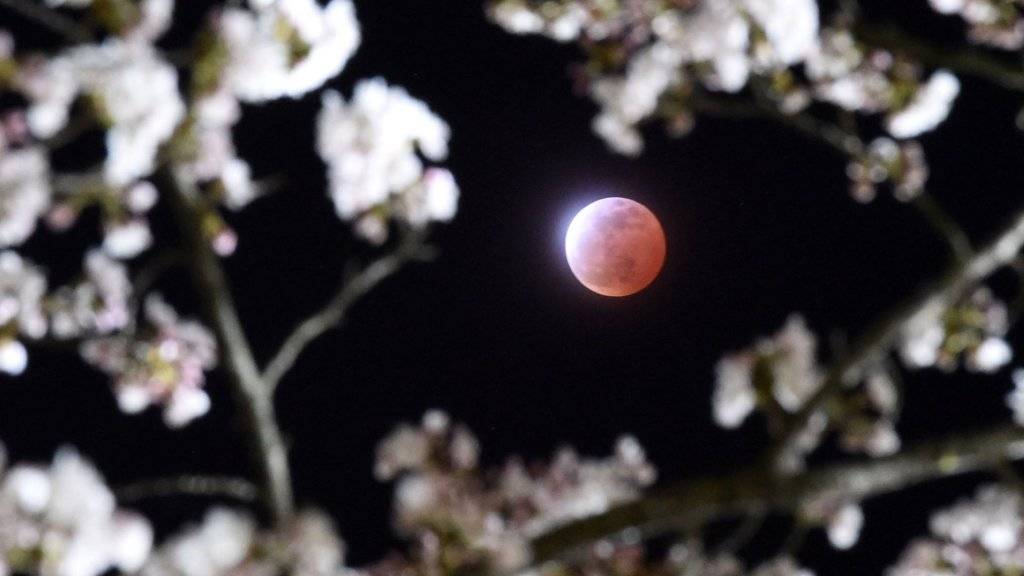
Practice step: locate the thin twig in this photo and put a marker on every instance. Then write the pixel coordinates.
(193, 486)
(49, 19)
(945, 224)
(695, 502)
(332, 314)
(251, 394)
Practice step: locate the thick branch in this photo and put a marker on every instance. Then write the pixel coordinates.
(753, 490)
(193, 486)
(251, 394)
(351, 290)
(49, 19)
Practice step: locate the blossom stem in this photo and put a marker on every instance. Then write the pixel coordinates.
(250, 392)
(49, 19)
(330, 316)
(694, 502)
(195, 486)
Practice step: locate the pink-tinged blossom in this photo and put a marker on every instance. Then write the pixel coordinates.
(372, 147)
(993, 22)
(286, 47)
(24, 193)
(22, 288)
(63, 521)
(163, 363)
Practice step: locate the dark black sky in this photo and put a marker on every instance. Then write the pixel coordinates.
(498, 333)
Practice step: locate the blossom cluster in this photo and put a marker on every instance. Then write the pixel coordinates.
(779, 375)
(666, 59)
(997, 23)
(982, 535)
(62, 520)
(159, 125)
(450, 509)
(229, 542)
(971, 330)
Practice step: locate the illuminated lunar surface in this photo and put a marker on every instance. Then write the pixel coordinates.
(615, 246)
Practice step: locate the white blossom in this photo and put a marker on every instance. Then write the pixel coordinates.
(930, 106)
(1015, 399)
(127, 239)
(24, 193)
(844, 526)
(287, 47)
(370, 146)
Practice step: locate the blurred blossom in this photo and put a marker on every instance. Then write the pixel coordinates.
(22, 288)
(228, 543)
(127, 239)
(98, 304)
(438, 485)
(902, 165)
(784, 366)
(24, 193)
(370, 146)
(972, 329)
(131, 90)
(164, 363)
(997, 23)
(63, 521)
(286, 47)
(929, 107)
(977, 536)
(1015, 399)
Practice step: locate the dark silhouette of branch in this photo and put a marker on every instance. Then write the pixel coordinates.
(193, 486)
(751, 491)
(251, 394)
(354, 287)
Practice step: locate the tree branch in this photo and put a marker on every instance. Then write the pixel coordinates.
(351, 290)
(49, 19)
(197, 486)
(878, 339)
(250, 393)
(692, 503)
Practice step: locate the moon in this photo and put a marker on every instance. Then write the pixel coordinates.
(615, 246)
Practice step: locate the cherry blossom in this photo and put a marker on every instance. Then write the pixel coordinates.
(286, 47)
(370, 146)
(24, 193)
(22, 288)
(164, 363)
(63, 521)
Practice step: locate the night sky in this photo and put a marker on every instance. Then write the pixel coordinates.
(497, 331)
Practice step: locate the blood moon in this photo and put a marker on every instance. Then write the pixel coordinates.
(615, 246)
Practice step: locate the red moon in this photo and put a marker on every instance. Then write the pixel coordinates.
(615, 246)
